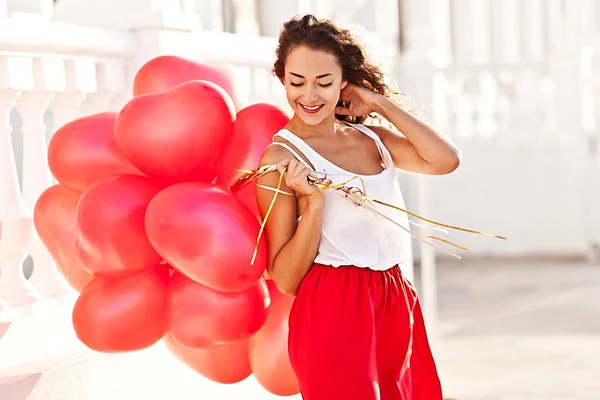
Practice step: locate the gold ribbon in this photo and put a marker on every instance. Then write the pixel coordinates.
(357, 196)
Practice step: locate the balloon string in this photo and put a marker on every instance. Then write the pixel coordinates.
(264, 223)
(354, 194)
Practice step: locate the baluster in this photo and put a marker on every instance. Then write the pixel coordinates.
(487, 126)
(17, 231)
(111, 78)
(66, 104)
(65, 107)
(48, 77)
(441, 102)
(505, 107)
(464, 108)
(96, 103)
(81, 84)
(36, 179)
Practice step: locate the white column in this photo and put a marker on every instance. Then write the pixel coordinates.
(273, 13)
(425, 29)
(246, 17)
(506, 23)
(345, 11)
(564, 64)
(17, 231)
(211, 14)
(462, 31)
(533, 28)
(41, 7)
(591, 116)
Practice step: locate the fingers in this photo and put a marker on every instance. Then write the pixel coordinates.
(288, 166)
(295, 174)
(282, 164)
(342, 111)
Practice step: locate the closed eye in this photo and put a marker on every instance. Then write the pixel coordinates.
(300, 84)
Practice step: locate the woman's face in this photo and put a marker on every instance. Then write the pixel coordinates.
(313, 82)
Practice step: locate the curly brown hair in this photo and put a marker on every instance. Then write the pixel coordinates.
(322, 34)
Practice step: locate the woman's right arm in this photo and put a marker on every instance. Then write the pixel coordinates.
(291, 245)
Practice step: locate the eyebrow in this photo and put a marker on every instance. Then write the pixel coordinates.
(318, 77)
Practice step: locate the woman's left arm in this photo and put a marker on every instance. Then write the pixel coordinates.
(421, 149)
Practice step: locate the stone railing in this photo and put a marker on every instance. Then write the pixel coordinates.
(50, 73)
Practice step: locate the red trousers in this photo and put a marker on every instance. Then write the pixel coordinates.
(358, 334)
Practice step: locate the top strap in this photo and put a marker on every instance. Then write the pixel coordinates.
(383, 151)
(311, 155)
(294, 153)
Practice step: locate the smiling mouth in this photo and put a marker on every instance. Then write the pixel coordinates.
(313, 109)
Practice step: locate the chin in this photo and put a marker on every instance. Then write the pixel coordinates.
(313, 120)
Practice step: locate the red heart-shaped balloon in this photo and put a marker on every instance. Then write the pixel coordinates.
(165, 72)
(253, 131)
(226, 363)
(118, 315)
(178, 135)
(54, 217)
(112, 240)
(268, 349)
(207, 234)
(202, 317)
(84, 151)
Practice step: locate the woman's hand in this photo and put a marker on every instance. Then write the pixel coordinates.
(362, 101)
(296, 178)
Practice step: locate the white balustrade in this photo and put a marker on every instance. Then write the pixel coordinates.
(70, 70)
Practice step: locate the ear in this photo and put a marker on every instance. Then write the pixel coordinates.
(344, 83)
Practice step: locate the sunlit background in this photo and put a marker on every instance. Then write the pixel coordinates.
(515, 84)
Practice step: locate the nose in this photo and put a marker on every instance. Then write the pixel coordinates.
(311, 94)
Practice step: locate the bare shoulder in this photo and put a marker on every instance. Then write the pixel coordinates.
(274, 154)
(380, 130)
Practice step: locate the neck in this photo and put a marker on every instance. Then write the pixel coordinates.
(325, 127)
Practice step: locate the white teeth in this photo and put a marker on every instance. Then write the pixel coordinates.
(311, 108)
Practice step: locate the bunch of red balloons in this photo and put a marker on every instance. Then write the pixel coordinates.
(143, 225)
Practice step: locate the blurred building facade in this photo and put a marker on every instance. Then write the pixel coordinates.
(515, 84)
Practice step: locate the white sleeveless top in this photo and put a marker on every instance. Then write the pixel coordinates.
(355, 235)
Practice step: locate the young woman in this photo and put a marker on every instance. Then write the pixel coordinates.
(356, 327)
